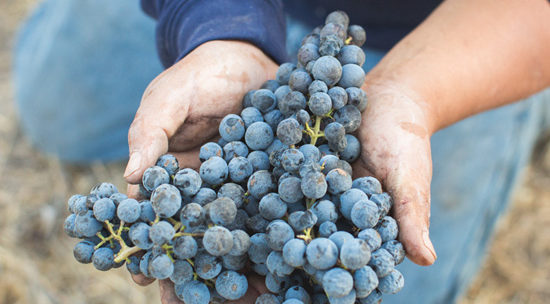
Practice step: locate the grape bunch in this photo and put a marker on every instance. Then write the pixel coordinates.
(274, 195)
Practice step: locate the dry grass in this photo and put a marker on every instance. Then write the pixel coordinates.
(36, 263)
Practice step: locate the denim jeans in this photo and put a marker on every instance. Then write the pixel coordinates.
(81, 67)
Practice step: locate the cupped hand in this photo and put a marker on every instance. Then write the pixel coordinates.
(395, 137)
(181, 108)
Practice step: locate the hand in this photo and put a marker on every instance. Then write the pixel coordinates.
(395, 137)
(256, 287)
(181, 108)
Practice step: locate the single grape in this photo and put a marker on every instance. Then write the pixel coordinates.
(72, 201)
(292, 103)
(233, 191)
(337, 282)
(204, 196)
(299, 293)
(86, 224)
(185, 247)
(208, 150)
(364, 214)
(188, 181)
(103, 190)
(355, 254)
(281, 92)
(259, 160)
(339, 97)
(166, 201)
(276, 265)
(234, 149)
(161, 267)
(259, 136)
(314, 185)
(259, 250)
(103, 258)
(69, 226)
(335, 133)
(289, 189)
(139, 235)
(348, 200)
(104, 209)
(338, 17)
(80, 205)
(217, 241)
(328, 70)
(392, 283)
(251, 115)
(193, 292)
(292, 159)
(320, 104)
(207, 266)
(182, 273)
(264, 100)
(301, 220)
(372, 237)
(221, 211)
(322, 253)
(133, 265)
(352, 150)
(368, 184)
(83, 252)
(340, 237)
(327, 228)
(278, 233)
(317, 86)
(381, 262)
(325, 211)
(232, 127)
(154, 177)
(307, 52)
(241, 243)
(349, 116)
(214, 171)
(283, 73)
(261, 183)
(161, 233)
(169, 162)
(294, 252)
(231, 285)
(272, 207)
(387, 227)
(270, 84)
(351, 54)
(395, 248)
(357, 34)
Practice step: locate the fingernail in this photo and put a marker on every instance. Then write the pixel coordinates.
(429, 244)
(133, 164)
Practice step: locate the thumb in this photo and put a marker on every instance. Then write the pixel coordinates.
(410, 189)
(159, 116)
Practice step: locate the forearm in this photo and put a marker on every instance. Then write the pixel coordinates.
(470, 56)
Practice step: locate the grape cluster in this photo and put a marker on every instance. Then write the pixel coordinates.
(275, 194)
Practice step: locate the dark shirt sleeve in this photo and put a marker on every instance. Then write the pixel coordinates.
(182, 25)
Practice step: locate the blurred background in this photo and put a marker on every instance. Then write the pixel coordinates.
(36, 261)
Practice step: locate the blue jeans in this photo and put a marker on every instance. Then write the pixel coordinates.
(81, 67)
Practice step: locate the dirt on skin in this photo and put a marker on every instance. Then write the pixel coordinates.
(36, 259)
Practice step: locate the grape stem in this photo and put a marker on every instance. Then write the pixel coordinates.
(316, 132)
(188, 234)
(125, 250)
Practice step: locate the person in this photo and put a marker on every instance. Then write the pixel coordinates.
(432, 68)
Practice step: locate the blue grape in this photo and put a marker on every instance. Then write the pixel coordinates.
(133, 265)
(294, 253)
(207, 266)
(340, 237)
(185, 247)
(335, 133)
(264, 100)
(144, 263)
(214, 171)
(320, 104)
(204, 196)
(260, 269)
(322, 253)
(301, 220)
(381, 262)
(188, 181)
(276, 265)
(257, 223)
(325, 211)
(103, 258)
(80, 206)
(231, 285)
(289, 189)
(232, 127)
(365, 281)
(139, 235)
(69, 226)
(355, 254)
(328, 70)
(348, 200)
(221, 211)
(161, 233)
(271, 85)
(118, 197)
(276, 284)
(303, 117)
(338, 17)
(351, 54)
(307, 52)
(292, 159)
(327, 228)
(330, 45)
(364, 214)
(357, 97)
(292, 103)
(233, 191)
(272, 207)
(193, 292)
(338, 181)
(395, 248)
(261, 183)
(357, 34)
(388, 229)
(392, 283)
(267, 298)
(372, 237)
(299, 80)
(278, 233)
(314, 185)
(352, 76)
(309, 167)
(161, 267)
(347, 299)
(247, 99)
(86, 224)
(166, 200)
(241, 243)
(210, 149)
(259, 250)
(192, 215)
(337, 282)
(154, 177)
(259, 136)
(352, 150)
(329, 162)
(273, 118)
(104, 209)
(311, 38)
(251, 115)
(235, 149)
(383, 201)
(90, 201)
(217, 241)
(368, 184)
(83, 252)
(182, 273)
(317, 86)
(338, 96)
(233, 262)
(169, 162)
(259, 160)
(103, 190)
(283, 73)
(281, 92)
(325, 150)
(147, 213)
(310, 152)
(72, 201)
(349, 116)
(298, 292)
